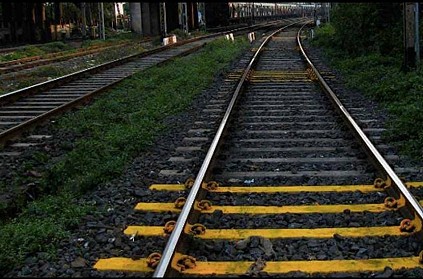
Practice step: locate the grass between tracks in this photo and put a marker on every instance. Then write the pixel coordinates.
(380, 77)
(62, 46)
(115, 128)
(44, 73)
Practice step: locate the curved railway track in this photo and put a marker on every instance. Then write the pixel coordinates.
(288, 186)
(23, 109)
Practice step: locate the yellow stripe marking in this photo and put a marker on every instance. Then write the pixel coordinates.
(292, 73)
(221, 268)
(276, 233)
(278, 189)
(276, 79)
(299, 75)
(123, 264)
(414, 184)
(306, 266)
(167, 187)
(165, 207)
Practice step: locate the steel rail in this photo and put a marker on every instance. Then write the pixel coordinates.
(13, 132)
(56, 55)
(6, 98)
(57, 81)
(32, 62)
(368, 145)
(170, 249)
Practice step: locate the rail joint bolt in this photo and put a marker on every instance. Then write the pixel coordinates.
(168, 227)
(186, 262)
(153, 260)
(407, 225)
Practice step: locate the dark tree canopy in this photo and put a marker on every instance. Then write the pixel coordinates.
(362, 27)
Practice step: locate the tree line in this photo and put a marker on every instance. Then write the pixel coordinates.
(32, 22)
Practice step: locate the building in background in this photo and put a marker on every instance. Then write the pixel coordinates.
(36, 22)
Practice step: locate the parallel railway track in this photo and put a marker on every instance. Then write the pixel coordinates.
(284, 187)
(23, 109)
(20, 114)
(34, 61)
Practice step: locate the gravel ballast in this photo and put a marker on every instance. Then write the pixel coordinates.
(100, 234)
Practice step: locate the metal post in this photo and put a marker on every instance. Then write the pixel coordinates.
(416, 30)
(185, 16)
(203, 15)
(84, 21)
(327, 8)
(99, 20)
(409, 36)
(103, 30)
(252, 14)
(117, 13)
(330, 6)
(164, 18)
(276, 10)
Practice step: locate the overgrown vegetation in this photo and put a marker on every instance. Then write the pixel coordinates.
(39, 228)
(34, 50)
(22, 53)
(364, 27)
(114, 129)
(364, 41)
(125, 121)
(44, 50)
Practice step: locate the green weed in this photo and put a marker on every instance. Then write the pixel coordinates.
(380, 78)
(112, 131)
(38, 229)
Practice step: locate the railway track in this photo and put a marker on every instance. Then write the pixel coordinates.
(23, 109)
(288, 186)
(34, 61)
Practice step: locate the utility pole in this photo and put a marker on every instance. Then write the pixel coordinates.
(328, 9)
(99, 21)
(411, 36)
(103, 30)
(185, 17)
(252, 14)
(116, 13)
(84, 21)
(417, 36)
(163, 18)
